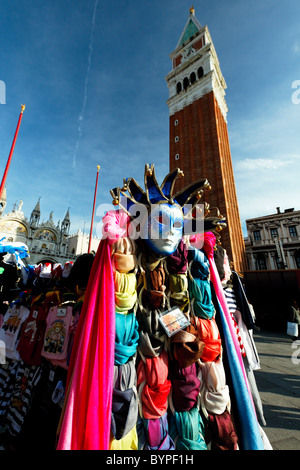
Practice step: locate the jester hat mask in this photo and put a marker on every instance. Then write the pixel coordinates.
(166, 216)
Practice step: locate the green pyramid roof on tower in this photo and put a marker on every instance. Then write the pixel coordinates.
(191, 28)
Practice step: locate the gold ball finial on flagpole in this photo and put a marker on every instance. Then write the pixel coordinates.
(22, 108)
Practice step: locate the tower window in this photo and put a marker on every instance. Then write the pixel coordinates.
(176, 122)
(185, 83)
(177, 139)
(200, 72)
(177, 156)
(178, 87)
(193, 77)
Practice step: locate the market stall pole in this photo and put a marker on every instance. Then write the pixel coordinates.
(92, 221)
(11, 151)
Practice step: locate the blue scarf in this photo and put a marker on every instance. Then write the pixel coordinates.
(199, 285)
(200, 291)
(127, 337)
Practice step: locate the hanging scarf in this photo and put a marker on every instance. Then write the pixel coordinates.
(223, 434)
(123, 254)
(151, 333)
(214, 391)
(199, 284)
(209, 333)
(178, 282)
(124, 263)
(125, 283)
(86, 420)
(177, 261)
(151, 344)
(178, 291)
(128, 442)
(187, 347)
(154, 386)
(124, 403)
(188, 430)
(125, 291)
(200, 293)
(86, 417)
(127, 337)
(185, 386)
(156, 434)
(154, 292)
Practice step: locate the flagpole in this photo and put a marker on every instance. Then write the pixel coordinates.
(92, 221)
(11, 151)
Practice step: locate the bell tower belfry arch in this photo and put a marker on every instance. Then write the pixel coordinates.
(199, 142)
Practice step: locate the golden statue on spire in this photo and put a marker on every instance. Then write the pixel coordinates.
(192, 10)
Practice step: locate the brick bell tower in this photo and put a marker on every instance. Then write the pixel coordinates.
(199, 143)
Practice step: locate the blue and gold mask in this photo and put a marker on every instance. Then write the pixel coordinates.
(164, 228)
(167, 217)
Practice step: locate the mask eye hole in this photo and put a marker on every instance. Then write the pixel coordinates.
(178, 224)
(161, 219)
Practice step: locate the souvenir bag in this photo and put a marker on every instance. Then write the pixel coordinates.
(292, 328)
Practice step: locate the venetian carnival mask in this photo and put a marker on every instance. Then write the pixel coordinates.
(167, 216)
(164, 228)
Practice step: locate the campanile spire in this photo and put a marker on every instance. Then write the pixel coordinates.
(199, 143)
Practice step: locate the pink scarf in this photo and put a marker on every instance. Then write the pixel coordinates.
(87, 415)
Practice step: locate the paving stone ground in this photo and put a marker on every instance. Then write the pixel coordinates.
(278, 382)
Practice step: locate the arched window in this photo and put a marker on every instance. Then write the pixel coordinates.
(185, 82)
(193, 78)
(178, 87)
(200, 72)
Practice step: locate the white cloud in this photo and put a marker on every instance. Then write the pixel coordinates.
(86, 83)
(265, 146)
(266, 183)
(261, 164)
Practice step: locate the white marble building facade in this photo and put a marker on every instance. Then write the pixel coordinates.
(46, 241)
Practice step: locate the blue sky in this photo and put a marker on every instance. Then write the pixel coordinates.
(92, 76)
